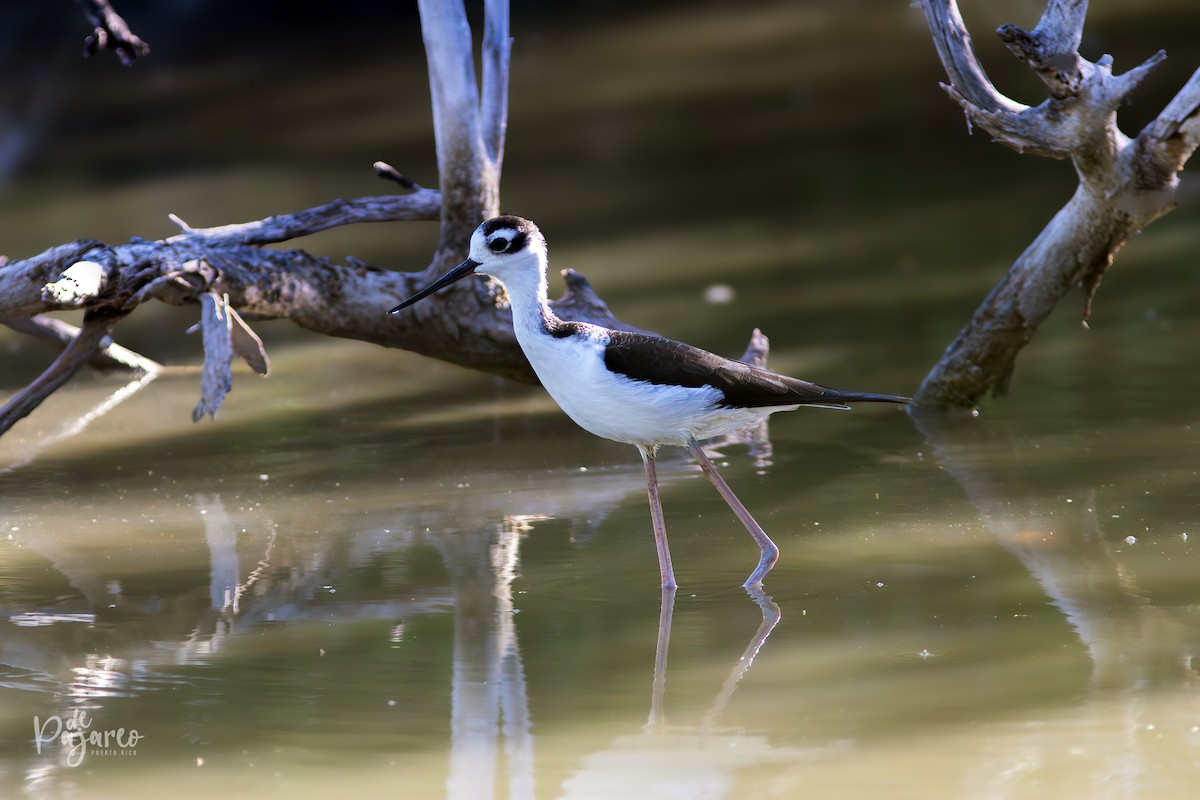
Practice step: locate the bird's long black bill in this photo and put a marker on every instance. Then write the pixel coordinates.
(458, 273)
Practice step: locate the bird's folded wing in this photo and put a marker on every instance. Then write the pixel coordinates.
(653, 359)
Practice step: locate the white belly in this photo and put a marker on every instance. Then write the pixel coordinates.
(614, 407)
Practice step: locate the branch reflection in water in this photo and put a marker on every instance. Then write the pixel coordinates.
(1136, 649)
(228, 628)
(104, 645)
(74, 426)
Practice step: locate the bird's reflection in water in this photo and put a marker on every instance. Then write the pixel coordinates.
(770, 618)
(694, 761)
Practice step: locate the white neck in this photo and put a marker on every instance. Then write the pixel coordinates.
(524, 278)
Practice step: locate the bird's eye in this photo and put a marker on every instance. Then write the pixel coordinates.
(498, 245)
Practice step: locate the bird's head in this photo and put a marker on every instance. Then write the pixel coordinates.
(509, 248)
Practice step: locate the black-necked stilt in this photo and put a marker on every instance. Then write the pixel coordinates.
(634, 387)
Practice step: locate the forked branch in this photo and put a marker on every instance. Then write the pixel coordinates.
(1124, 184)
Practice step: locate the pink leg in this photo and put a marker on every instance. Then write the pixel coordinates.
(656, 518)
(770, 553)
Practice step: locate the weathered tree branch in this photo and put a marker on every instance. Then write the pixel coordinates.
(1124, 184)
(110, 32)
(336, 299)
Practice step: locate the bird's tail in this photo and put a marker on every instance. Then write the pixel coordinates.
(837, 396)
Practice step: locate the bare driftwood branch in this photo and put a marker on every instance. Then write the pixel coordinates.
(77, 425)
(468, 325)
(225, 271)
(110, 32)
(345, 300)
(1125, 184)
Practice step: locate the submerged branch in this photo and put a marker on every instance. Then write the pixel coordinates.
(97, 325)
(110, 356)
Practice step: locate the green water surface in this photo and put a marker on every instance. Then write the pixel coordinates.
(376, 575)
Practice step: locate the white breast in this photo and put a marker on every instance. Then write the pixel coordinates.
(614, 407)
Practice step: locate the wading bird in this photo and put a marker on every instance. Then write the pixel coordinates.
(635, 387)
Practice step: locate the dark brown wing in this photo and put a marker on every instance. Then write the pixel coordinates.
(642, 357)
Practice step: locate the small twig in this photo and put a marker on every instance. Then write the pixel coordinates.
(1024, 132)
(422, 204)
(183, 226)
(97, 324)
(389, 173)
(111, 32)
(225, 334)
